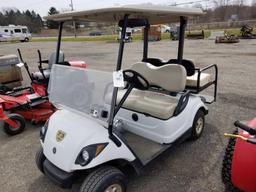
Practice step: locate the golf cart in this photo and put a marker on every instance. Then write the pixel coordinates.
(108, 122)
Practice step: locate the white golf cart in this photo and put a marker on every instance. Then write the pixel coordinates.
(108, 123)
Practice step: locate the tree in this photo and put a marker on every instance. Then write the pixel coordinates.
(52, 24)
(28, 18)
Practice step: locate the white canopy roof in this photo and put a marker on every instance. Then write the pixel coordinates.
(154, 14)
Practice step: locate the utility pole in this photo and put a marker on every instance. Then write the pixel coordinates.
(74, 23)
(72, 5)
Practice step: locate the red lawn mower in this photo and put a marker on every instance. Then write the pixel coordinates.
(239, 164)
(30, 103)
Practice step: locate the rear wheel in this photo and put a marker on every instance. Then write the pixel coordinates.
(104, 179)
(227, 164)
(19, 120)
(26, 40)
(40, 158)
(198, 125)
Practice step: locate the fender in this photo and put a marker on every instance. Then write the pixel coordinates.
(4, 117)
(243, 174)
(78, 64)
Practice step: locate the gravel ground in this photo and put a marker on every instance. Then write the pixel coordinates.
(190, 167)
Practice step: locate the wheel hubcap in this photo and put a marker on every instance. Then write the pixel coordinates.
(114, 188)
(16, 127)
(199, 125)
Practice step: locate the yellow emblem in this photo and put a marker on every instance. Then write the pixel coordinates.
(60, 136)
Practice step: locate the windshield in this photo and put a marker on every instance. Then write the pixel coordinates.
(81, 90)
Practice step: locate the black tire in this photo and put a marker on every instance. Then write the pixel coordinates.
(26, 40)
(40, 158)
(4, 89)
(227, 164)
(196, 131)
(102, 178)
(21, 125)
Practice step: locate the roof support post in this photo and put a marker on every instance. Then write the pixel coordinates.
(145, 48)
(114, 96)
(183, 23)
(59, 42)
(122, 42)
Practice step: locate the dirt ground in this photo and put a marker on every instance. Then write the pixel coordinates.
(190, 167)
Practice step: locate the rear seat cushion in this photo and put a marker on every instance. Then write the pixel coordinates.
(205, 78)
(155, 104)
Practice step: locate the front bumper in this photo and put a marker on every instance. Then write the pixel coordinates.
(58, 176)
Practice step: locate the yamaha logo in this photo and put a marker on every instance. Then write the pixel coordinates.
(60, 136)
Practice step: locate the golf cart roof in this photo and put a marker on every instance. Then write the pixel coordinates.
(154, 14)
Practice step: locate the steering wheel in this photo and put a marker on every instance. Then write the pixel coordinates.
(137, 80)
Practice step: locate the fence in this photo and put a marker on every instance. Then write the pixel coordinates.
(221, 25)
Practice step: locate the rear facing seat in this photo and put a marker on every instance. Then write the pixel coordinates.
(192, 75)
(205, 78)
(169, 77)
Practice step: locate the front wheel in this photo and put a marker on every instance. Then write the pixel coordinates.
(104, 179)
(40, 158)
(198, 125)
(19, 120)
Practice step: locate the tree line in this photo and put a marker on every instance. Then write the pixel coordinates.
(221, 12)
(229, 12)
(31, 19)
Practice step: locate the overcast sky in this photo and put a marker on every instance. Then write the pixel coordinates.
(42, 6)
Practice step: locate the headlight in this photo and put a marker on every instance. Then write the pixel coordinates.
(89, 153)
(85, 155)
(43, 131)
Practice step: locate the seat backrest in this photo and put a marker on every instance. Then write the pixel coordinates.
(155, 61)
(52, 58)
(171, 77)
(188, 64)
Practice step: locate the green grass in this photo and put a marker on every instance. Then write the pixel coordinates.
(113, 38)
(73, 39)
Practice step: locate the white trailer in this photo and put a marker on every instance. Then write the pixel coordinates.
(128, 34)
(16, 33)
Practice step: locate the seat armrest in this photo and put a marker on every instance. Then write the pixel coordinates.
(183, 101)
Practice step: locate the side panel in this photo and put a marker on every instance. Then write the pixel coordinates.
(161, 131)
(244, 163)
